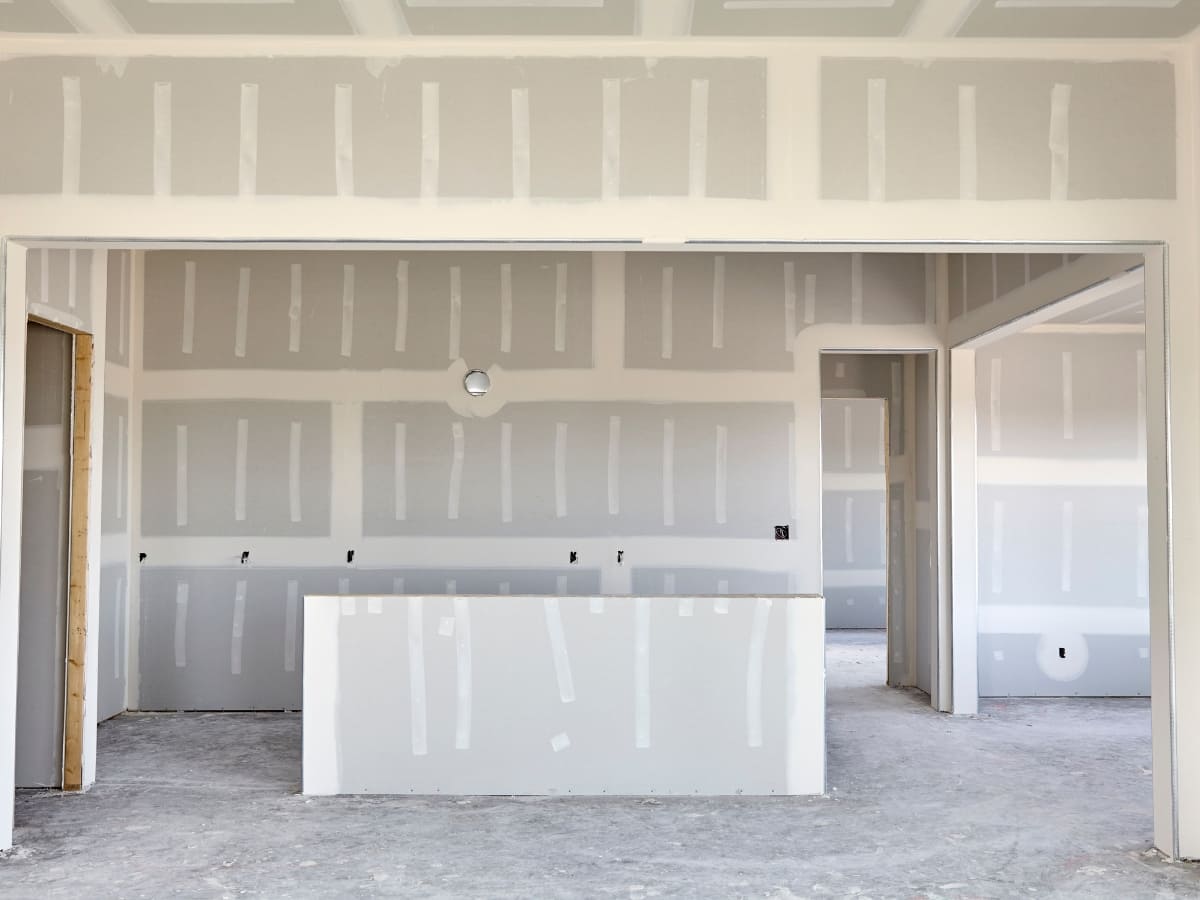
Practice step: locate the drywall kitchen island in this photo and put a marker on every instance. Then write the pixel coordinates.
(564, 695)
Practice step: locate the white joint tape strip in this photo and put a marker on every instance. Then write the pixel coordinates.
(248, 142)
(347, 311)
(520, 143)
(669, 584)
(1068, 395)
(181, 475)
(848, 527)
(793, 502)
(687, 607)
(505, 588)
(995, 380)
(121, 462)
(698, 140)
(560, 308)
(239, 472)
(72, 130)
(754, 672)
(847, 436)
(1060, 141)
(614, 465)
(162, 138)
(401, 306)
(456, 469)
(455, 312)
(446, 626)
(968, 152)
(189, 305)
(560, 742)
(560, 585)
(121, 605)
(451, 586)
(295, 307)
(400, 476)
(1143, 552)
(72, 278)
(1068, 541)
(722, 475)
(668, 315)
(243, 312)
(239, 628)
(295, 433)
(375, 606)
(506, 508)
(430, 139)
(596, 605)
(789, 306)
(641, 672)
(560, 469)
(718, 303)
(558, 649)
(856, 288)
(810, 299)
(506, 308)
(181, 616)
(1141, 403)
(343, 139)
(462, 646)
(416, 676)
(876, 139)
(997, 546)
(668, 472)
(398, 585)
(291, 625)
(610, 157)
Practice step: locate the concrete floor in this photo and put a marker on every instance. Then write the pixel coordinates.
(1043, 798)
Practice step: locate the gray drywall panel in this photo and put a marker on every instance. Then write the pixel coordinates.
(756, 470)
(114, 606)
(853, 530)
(864, 606)
(697, 728)
(716, 17)
(202, 626)
(380, 280)
(35, 16)
(114, 512)
(612, 17)
(1028, 665)
(34, 92)
(48, 282)
(1085, 21)
(650, 581)
(119, 307)
(920, 132)
(976, 279)
(209, 473)
(318, 17)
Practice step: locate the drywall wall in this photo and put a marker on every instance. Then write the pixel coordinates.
(297, 406)
(573, 695)
(1063, 544)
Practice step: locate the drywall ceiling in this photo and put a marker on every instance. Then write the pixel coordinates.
(1126, 307)
(920, 19)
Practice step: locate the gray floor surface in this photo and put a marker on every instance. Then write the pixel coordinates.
(1042, 798)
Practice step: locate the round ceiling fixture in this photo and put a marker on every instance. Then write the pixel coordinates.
(477, 383)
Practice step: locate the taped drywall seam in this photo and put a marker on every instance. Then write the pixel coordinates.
(343, 139)
(505, 588)
(560, 585)
(968, 146)
(181, 616)
(400, 472)
(669, 584)
(162, 138)
(789, 306)
(398, 585)
(239, 471)
(610, 160)
(401, 305)
(847, 436)
(810, 299)
(997, 546)
(416, 676)
(72, 127)
(295, 307)
(456, 469)
(641, 672)
(876, 139)
(560, 308)
(614, 465)
(718, 303)
(239, 628)
(668, 472)
(848, 528)
(506, 511)
(698, 140)
(462, 646)
(687, 607)
(560, 469)
(722, 480)
(721, 603)
(596, 605)
(122, 604)
(996, 367)
(1060, 141)
(72, 278)
(856, 288)
(243, 313)
(430, 140)
(506, 308)
(520, 143)
(1068, 395)
(1143, 552)
(1068, 535)
(793, 503)
(189, 305)
(181, 475)
(558, 649)
(120, 468)
(668, 316)
(455, 349)
(754, 672)
(294, 437)
(347, 310)
(248, 143)
(1141, 404)
(291, 622)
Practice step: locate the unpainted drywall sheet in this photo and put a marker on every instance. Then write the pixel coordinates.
(397, 128)
(1063, 545)
(297, 406)
(571, 695)
(977, 279)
